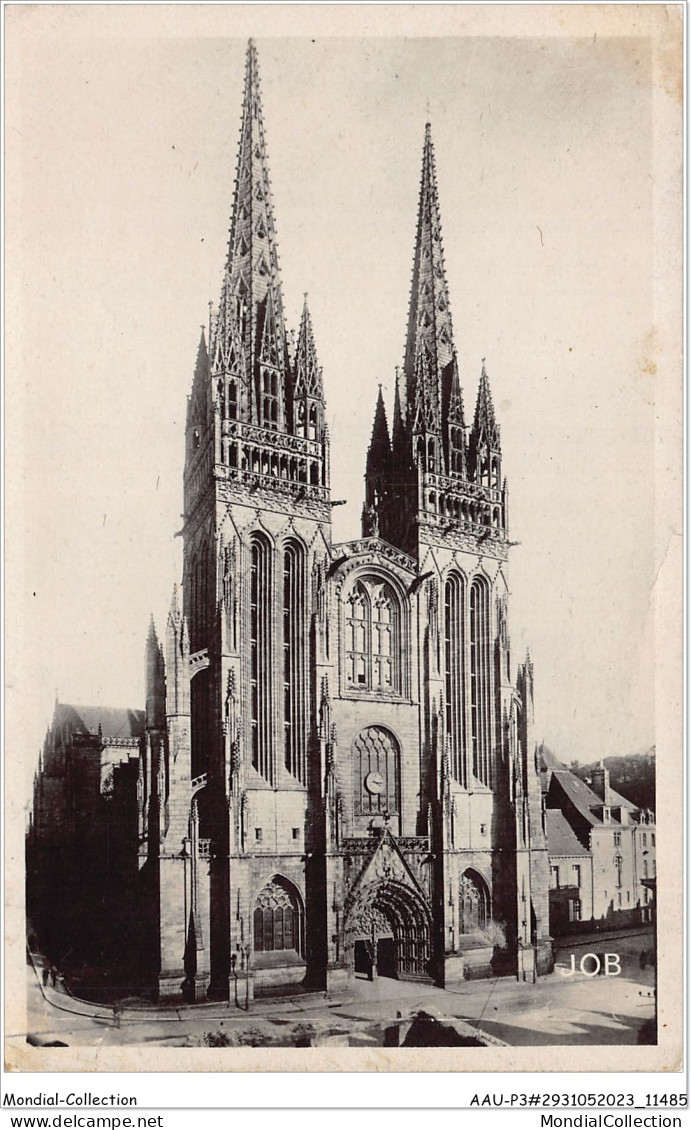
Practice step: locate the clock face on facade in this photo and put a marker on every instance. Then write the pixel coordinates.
(374, 783)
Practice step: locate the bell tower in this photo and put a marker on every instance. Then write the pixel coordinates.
(257, 533)
(442, 485)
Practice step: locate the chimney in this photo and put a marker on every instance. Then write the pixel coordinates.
(600, 783)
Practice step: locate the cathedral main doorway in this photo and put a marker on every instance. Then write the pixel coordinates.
(387, 933)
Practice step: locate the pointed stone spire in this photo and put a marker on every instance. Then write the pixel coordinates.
(484, 448)
(455, 413)
(177, 661)
(197, 405)
(455, 432)
(379, 453)
(251, 308)
(377, 474)
(308, 375)
(429, 321)
(308, 394)
(485, 425)
(399, 437)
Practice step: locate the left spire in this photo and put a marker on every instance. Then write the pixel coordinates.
(248, 344)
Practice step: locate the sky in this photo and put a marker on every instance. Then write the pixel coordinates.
(122, 158)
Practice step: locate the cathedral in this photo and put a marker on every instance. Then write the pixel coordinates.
(335, 774)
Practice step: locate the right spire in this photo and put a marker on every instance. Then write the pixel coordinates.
(429, 343)
(435, 481)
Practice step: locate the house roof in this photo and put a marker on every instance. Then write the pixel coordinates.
(586, 799)
(619, 801)
(548, 759)
(581, 795)
(115, 722)
(561, 838)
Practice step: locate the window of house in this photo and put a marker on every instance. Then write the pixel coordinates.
(619, 866)
(652, 839)
(372, 638)
(645, 868)
(576, 875)
(644, 839)
(555, 877)
(575, 911)
(619, 898)
(617, 839)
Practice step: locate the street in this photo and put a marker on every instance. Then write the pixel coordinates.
(558, 1009)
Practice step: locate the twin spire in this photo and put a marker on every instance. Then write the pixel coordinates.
(429, 400)
(251, 281)
(429, 343)
(248, 340)
(252, 374)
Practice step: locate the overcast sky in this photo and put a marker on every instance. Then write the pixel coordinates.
(125, 151)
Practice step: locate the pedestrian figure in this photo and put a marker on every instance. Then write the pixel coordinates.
(53, 976)
(643, 959)
(117, 1013)
(45, 976)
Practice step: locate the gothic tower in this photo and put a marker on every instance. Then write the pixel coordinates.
(256, 534)
(436, 493)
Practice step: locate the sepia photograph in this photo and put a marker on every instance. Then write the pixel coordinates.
(343, 465)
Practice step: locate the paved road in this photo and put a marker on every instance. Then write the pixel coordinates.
(556, 1010)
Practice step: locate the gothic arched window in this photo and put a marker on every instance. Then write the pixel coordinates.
(372, 638)
(480, 678)
(473, 902)
(376, 772)
(278, 920)
(454, 663)
(294, 661)
(269, 399)
(261, 602)
(232, 400)
(456, 450)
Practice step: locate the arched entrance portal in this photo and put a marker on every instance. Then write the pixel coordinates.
(387, 932)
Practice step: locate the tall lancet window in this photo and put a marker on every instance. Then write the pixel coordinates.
(269, 399)
(294, 661)
(480, 679)
(261, 603)
(454, 622)
(358, 629)
(372, 638)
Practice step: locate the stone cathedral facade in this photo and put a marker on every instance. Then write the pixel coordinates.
(338, 771)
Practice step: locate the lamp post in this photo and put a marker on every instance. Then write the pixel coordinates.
(185, 853)
(247, 949)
